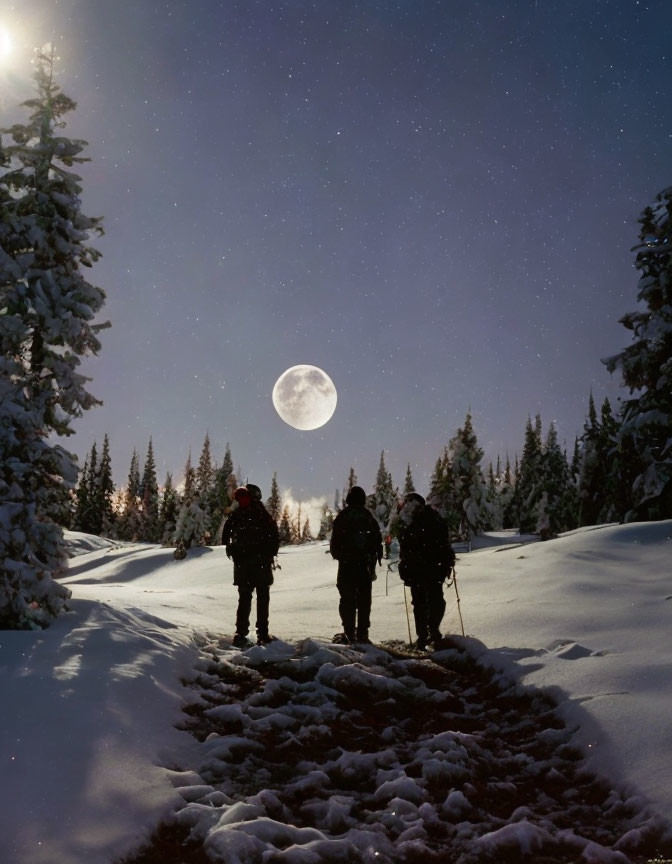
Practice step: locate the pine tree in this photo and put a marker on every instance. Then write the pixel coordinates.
(129, 525)
(191, 522)
(592, 469)
(93, 517)
(285, 527)
(105, 493)
(508, 479)
(493, 514)
(528, 490)
(168, 512)
(609, 429)
(189, 493)
(382, 501)
(575, 468)
(225, 483)
(442, 495)
(326, 523)
(204, 472)
(470, 493)
(352, 481)
(45, 329)
(149, 499)
(506, 493)
(644, 440)
(306, 535)
(409, 485)
(82, 498)
(273, 503)
(554, 505)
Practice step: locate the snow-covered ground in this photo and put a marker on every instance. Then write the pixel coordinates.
(91, 754)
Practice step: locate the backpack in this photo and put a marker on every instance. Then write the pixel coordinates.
(357, 540)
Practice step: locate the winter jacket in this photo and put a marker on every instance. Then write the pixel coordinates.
(425, 553)
(356, 537)
(250, 534)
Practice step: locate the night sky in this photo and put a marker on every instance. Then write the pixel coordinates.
(434, 202)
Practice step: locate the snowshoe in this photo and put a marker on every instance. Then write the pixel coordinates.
(343, 639)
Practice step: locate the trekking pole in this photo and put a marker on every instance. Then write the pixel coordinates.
(459, 611)
(388, 570)
(408, 617)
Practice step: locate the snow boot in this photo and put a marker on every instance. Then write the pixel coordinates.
(435, 637)
(343, 639)
(264, 639)
(363, 637)
(420, 644)
(241, 641)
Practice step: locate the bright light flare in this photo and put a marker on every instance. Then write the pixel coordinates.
(6, 43)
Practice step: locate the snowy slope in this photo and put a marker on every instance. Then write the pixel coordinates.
(94, 700)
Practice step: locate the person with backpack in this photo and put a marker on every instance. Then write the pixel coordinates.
(251, 539)
(426, 560)
(356, 543)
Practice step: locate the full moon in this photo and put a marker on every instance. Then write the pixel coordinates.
(305, 397)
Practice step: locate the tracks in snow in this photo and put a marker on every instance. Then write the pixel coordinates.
(318, 753)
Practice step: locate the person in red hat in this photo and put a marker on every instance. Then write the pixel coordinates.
(251, 539)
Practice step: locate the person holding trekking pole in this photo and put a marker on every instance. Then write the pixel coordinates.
(426, 560)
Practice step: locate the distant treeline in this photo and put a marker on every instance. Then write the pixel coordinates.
(144, 511)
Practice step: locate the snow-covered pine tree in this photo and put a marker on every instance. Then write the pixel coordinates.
(104, 493)
(383, 500)
(326, 523)
(168, 511)
(470, 493)
(273, 503)
(644, 440)
(45, 328)
(306, 534)
(204, 472)
(285, 527)
(223, 487)
(409, 485)
(149, 499)
(441, 494)
(191, 521)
